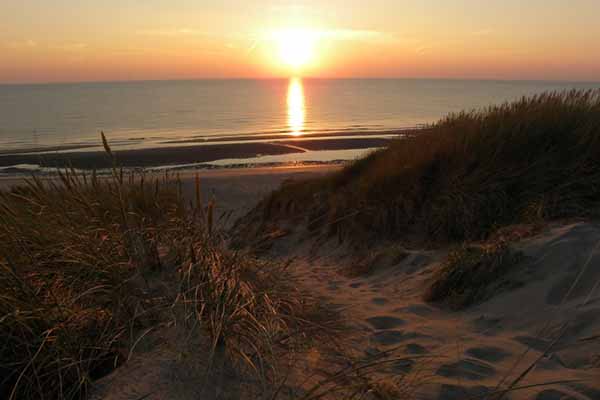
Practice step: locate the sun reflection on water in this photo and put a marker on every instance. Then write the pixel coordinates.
(295, 107)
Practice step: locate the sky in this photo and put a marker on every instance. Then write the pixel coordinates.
(110, 40)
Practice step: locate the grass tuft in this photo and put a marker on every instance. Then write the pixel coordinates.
(70, 252)
(88, 265)
(472, 274)
(252, 310)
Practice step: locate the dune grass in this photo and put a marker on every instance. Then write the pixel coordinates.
(88, 265)
(462, 178)
(70, 252)
(472, 274)
(253, 311)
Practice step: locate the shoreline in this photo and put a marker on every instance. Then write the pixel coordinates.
(121, 144)
(187, 155)
(187, 175)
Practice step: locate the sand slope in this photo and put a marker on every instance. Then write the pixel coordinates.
(552, 320)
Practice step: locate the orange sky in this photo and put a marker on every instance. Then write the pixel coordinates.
(67, 40)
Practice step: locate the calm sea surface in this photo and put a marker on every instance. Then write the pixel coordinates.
(149, 114)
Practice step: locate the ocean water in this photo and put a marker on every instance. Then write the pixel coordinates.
(153, 114)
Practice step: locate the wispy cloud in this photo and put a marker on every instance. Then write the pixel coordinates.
(22, 44)
(356, 35)
(483, 32)
(330, 34)
(336, 34)
(252, 46)
(71, 47)
(423, 50)
(171, 32)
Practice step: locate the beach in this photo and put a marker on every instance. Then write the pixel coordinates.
(182, 155)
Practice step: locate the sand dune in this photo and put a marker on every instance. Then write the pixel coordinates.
(548, 317)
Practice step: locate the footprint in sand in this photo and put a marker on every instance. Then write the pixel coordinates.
(551, 394)
(487, 325)
(385, 322)
(380, 301)
(488, 353)
(420, 310)
(372, 352)
(388, 338)
(552, 362)
(573, 286)
(467, 369)
(533, 342)
(414, 348)
(454, 392)
(590, 392)
(582, 321)
(402, 366)
(560, 289)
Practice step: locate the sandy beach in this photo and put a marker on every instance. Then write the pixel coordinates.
(234, 190)
(183, 154)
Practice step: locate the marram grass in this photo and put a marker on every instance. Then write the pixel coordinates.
(70, 250)
(77, 258)
(463, 177)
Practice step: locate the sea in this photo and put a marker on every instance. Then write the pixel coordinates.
(147, 114)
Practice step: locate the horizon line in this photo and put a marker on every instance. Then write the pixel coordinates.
(115, 81)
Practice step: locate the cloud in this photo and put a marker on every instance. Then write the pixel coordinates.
(71, 47)
(252, 46)
(482, 32)
(24, 44)
(171, 32)
(423, 50)
(336, 34)
(356, 35)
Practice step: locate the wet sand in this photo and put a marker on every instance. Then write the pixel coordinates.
(152, 157)
(333, 134)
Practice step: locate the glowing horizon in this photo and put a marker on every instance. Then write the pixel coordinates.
(73, 41)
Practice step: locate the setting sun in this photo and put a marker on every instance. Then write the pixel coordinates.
(296, 47)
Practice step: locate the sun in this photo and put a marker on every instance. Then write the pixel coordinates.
(296, 47)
